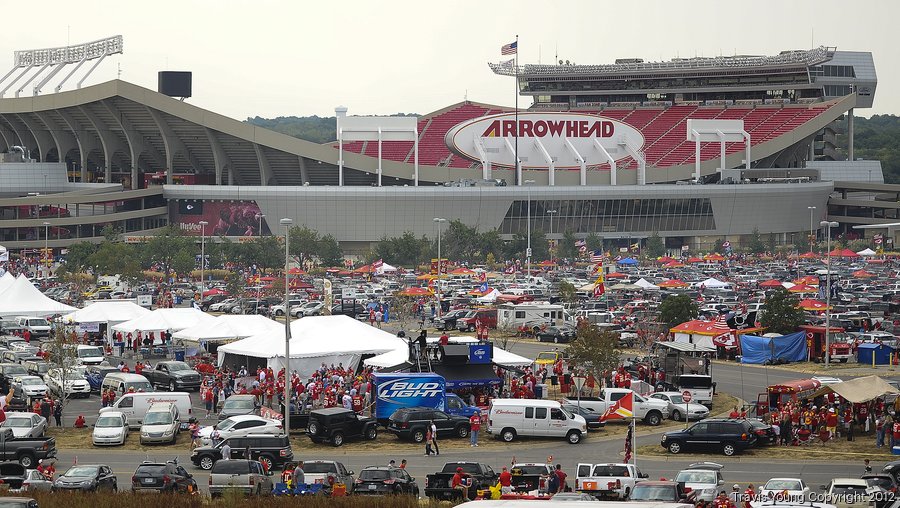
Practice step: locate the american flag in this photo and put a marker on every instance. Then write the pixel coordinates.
(597, 256)
(628, 439)
(509, 49)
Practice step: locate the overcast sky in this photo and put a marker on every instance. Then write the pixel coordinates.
(278, 58)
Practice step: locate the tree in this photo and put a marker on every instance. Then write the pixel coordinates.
(781, 314)
(304, 242)
(110, 233)
(164, 246)
(593, 350)
(235, 284)
(78, 258)
(655, 247)
(756, 245)
(405, 250)
(567, 292)
(593, 242)
(61, 350)
(183, 262)
(330, 252)
(267, 252)
(567, 249)
(677, 309)
(771, 242)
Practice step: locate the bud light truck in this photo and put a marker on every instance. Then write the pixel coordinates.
(397, 390)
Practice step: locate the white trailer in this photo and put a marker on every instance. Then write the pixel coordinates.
(513, 316)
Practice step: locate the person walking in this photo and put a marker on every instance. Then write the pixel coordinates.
(562, 478)
(474, 427)
(57, 413)
(434, 439)
(226, 451)
(299, 477)
(428, 441)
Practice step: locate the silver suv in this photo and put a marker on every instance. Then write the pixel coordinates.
(244, 476)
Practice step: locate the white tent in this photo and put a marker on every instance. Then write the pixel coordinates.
(226, 327)
(645, 284)
(314, 340)
(502, 357)
(6, 280)
(165, 319)
(21, 298)
(713, 283)
(490, 297)
(110, 311)
(385, 268)
(866, 252)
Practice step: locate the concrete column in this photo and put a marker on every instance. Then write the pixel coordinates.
(850, 135)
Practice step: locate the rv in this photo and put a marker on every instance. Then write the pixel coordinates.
(512, 316)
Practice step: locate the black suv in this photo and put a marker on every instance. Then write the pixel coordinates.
(334, 425)
(726, 435)
(381, 480)
(162, 477)
(273, 451)
(448, 321)
(412, 423)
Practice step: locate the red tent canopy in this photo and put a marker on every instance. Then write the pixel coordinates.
(771, 283)
(811, 304)
(665, 259)
(695, 260)
(616, 275)
(296, 271)
(808, 255)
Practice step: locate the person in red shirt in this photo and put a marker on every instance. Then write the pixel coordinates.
(138, 367)
(505, 481)
(460, 482)
(748, 496)
(895, 433)
(562, 478)
(474, 427)
(734, 413)
(831, 421)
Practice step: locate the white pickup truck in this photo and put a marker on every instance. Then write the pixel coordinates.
(651, 411)
(607, 481)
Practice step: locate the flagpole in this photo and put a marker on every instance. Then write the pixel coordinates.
(634, 443)
(516, 131)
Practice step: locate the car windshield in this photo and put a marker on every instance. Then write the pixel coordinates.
(547, 356)
(38, 322)
(696, 477)
(374, 474)
(82, 471)
(22, 423)
(652, 493)
(11, 370)
(158, 418)
(151, 469)
(89, 352)
(676, 399)
(319, 467)
(568, 414)
(880, 481)
(532, 470)
(610, 470)
(225, 424)
(31, 382)
(109, 422)
(239, 404)
(848, 490)
(783, 485)
(178, 366)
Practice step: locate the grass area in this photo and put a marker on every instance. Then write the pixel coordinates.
(862, 447)
(77, 500)
(80, 439)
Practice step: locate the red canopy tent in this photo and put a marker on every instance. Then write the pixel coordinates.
(771, 283)
(811, 304)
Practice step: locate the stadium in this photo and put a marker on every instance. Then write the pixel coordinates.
(697, 150)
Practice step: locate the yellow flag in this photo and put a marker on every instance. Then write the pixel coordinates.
(600, 277)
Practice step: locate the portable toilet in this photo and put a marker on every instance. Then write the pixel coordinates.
(869, 350)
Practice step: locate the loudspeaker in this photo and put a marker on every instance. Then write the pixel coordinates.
(455, 354)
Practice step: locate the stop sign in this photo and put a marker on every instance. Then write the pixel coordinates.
(686, 396)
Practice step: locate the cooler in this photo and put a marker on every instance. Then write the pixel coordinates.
(542, 391)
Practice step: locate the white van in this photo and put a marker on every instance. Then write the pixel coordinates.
(123, 382)
(37, 326)
(135, 405)
(510, 418)
(160, 423)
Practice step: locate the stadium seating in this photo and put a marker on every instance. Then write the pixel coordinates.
(664, 131)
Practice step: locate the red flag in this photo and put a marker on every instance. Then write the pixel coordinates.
(622, 408)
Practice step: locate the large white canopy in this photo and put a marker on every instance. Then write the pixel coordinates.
(867, 252)
(502, 357)
(385, 268)
(314, 340)
(165, 319)
(108, 311)
(21, 298)
(5, 281)
(490, 297)
(645, 284)
(713, 283)
(229, 326)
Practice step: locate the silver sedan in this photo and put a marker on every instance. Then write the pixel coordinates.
(678, 408)
(26, 424)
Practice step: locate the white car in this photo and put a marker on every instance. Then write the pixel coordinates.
(794, 489)
(160, 424)
(704, 478)
(29, 387)
(217, 307)
(111, 429)
(847, 493)
(677, 407)
(75, 383)
(26, 424)
(241, 425)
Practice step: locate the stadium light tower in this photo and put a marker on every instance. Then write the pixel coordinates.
(439, 221)
(286, 222)
(828, 225)
(528, 183)
(203, 225)
(811, 209)
(551, 213)
(47, 246)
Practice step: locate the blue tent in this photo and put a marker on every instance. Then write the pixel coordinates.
(761, 349)
(881, 352)
(627, 261)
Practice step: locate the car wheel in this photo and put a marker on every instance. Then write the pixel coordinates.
(372, 433)
(172, 386)
(314, 428)
(676, 415)
(26, 460)
(508, 435)
(674, 447)
(728, 449)
(418, 436)
(556, 339)
(206, 463)
(653, 418)
(462, 431)
(574, 437)
(337, 439)
(279, 313)
(471, 328)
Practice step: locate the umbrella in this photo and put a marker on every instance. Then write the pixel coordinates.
(807, 279)
(665, 259)
(673, 283)
(616, 275)
(215, 291)
(771, 283)
(802, 288)
(862, 274)
(296, 271)
(810, 304)
(714, 257)
(695, 260)
(623, 287)
(808, 255)
(462, 271)
(673, 264)
(415, 291)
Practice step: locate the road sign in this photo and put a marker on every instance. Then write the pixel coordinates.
(686, 396)
(579, 382)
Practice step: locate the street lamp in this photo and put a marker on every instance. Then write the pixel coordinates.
(260, 217)
(286, 222)
(203, 225)
(47, 247)
(549, 240)
(811, 227)
(528, 219)
(439, 221)
(828, 225)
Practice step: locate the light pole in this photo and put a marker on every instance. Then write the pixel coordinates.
(828, 225)
(549, 240)
(260, 217)
(811, 227)
(439, 221)
(203, 225)
(528, 220)
(286, 222)
(47, 247)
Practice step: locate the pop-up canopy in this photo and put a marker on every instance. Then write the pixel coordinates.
(21, 298)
